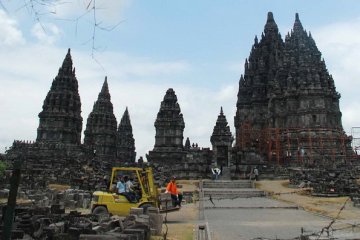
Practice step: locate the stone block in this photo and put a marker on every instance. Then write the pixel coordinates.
(141, 234)
(71, 204)
(153, 210)
(4, 193)
(58, 227)
(97, 237)
(156, 222)
(136, 211)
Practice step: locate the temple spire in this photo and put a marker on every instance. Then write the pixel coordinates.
(169, 119)
(125, 120)
(66, 67)
(221, 141)
(60, 118)
(270, 25)
(297, 24)
(125, 140)
(104, 93)
(100, 133)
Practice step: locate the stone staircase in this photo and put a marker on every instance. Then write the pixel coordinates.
(234, 184)
(221, 189)
(225, 174)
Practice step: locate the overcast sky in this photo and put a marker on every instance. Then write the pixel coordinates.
(198, 48)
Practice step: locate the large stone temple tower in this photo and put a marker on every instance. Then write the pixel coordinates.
(288, 108)
(60, 119)
(125, 142)
(169, 127)
(100, 133)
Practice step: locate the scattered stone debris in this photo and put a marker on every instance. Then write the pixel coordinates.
(330, 181)
(33, 222)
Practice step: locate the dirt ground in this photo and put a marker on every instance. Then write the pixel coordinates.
(181, 225)
(326, 206)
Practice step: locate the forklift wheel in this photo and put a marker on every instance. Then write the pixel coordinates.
(145, 207)
(100, 210)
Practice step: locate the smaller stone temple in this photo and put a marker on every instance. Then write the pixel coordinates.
(100, 133)
(221, 141)
(189, 161)
(125, 143)
(169, 127)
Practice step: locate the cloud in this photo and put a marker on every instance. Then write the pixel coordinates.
(24, 87)
(135, 84)
(340, 44)
(10, 33)
(46, 33)
(107, 12)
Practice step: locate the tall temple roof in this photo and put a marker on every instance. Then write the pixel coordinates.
(169, 123)
(125, 120)
(221, 132)
(104, 93)
(66, 67)
(125, 142)
(285, 86)
(60, 119)
(297, 24)
(170, 108)
(100, 133)
(259, 73)
(270, 26)
(302, 61)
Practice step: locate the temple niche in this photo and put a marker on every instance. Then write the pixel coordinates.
(288, 107)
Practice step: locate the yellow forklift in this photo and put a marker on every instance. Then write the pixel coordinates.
(145, 192)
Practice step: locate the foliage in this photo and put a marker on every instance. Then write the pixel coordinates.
(2, 168)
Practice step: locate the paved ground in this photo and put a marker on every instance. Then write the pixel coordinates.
(272, 220)
(324, 206)
(279, 216)
(260, 223)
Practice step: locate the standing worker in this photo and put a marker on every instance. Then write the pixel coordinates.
(176, 196)
(256, 174)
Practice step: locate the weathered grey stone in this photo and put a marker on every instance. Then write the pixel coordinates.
(4, 193)
(136, 211)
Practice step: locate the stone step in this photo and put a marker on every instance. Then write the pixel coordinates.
(225, 174)
(217, 193)
(227, 184)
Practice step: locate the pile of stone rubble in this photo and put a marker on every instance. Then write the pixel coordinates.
(339, 180)
(34, 222)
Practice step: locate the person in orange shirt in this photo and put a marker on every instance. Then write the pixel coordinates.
(176, 196)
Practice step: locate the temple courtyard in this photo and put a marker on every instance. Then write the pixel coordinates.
(283, 213)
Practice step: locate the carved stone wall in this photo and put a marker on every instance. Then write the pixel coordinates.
(288, 106)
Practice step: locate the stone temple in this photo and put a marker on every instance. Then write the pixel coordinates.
(288, 107)
(57, 155)
(287, 113)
